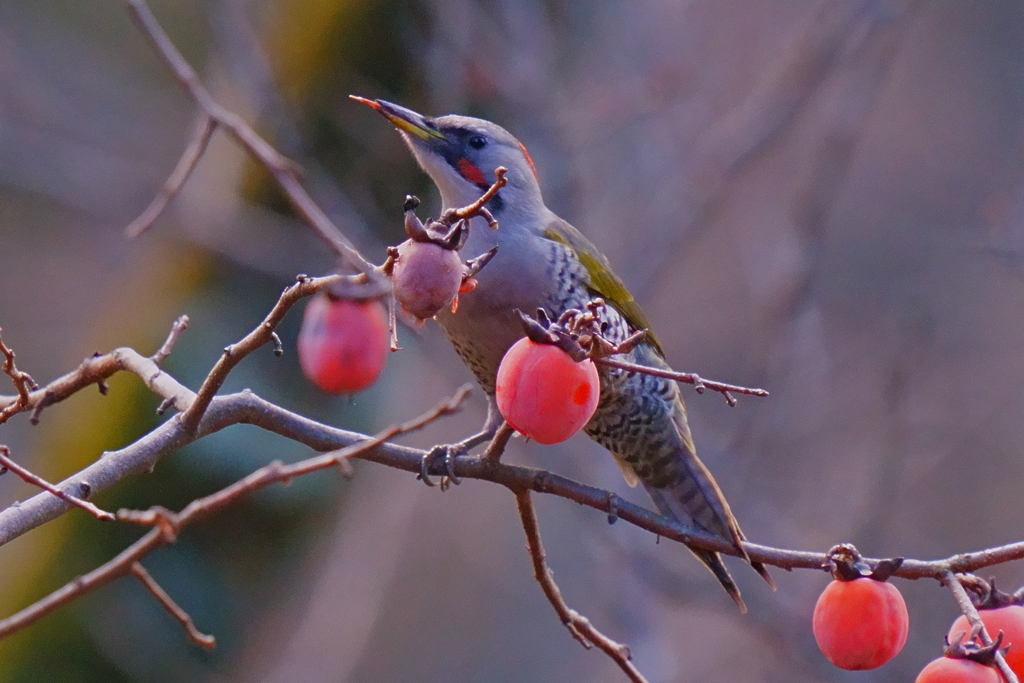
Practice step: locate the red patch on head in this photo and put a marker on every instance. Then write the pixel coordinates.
(530, 162)
(468, 170)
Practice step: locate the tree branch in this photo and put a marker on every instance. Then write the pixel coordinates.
(579, 626)
(284, 171)
(247, 408)
(7, 464)
(186, 164)
(698, 382)
(98, 368)
(23, 384)
(263, 334)
(963, 601)
(168, 525)
(194, 634)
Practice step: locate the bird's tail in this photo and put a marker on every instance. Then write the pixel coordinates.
(694, 498)
(664, 499)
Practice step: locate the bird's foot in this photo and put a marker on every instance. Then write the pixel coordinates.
(446, 454)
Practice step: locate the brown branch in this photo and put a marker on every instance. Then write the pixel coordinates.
(7, 464)
(194, 634)
(96, 369)
(97, 578)
(496, 447)
(579, 626)
(168, 437)
(446, 407)
(283, 170)
(23, 384)
(177, 328)
(168, 525)
(477, 208)
(578, 333)
(264, 333)
(186, 164)
(248, 408)
(698, 382)
(278, 472)
(963, 601)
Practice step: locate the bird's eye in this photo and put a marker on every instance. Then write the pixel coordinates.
(477, 142)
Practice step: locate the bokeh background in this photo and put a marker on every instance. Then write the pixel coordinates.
(822, 198)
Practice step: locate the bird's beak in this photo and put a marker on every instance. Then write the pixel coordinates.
(405, 119)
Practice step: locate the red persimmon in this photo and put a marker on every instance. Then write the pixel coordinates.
(342, 344)
(1009, 620)
(543, 393)
(948, 670)
(860, 624)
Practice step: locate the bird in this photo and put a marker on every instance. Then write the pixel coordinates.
(543, 262)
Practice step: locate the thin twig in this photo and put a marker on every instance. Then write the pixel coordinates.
(963, 601)
(393, 323)
(579, 626)
(97, 369)
(498, 443)
(446, 407)
(23, 384)
(284, 171)
(179, 326)
(698, 382)
(278, 472)
(194, 634)
(97, 578)
(36, 480)
(264, 333)
(186, 164)
(167, 525)
(477, 208)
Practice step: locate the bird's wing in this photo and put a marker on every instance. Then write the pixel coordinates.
(603, 282)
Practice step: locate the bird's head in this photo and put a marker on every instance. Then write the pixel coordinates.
(460, 153)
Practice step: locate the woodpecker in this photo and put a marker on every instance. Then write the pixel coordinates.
(544, 262)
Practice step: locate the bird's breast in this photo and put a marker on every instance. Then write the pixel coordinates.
(525, 274)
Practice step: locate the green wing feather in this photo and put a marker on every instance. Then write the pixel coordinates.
(603, 282)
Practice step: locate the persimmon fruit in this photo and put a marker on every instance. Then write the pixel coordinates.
(343, 343)
(543, 393)
(860, 623)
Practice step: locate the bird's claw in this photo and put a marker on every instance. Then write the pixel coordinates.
(447, 454)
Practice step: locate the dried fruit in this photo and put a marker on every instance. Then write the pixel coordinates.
(427, 277)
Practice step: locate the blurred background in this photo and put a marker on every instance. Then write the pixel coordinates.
(822, 198)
